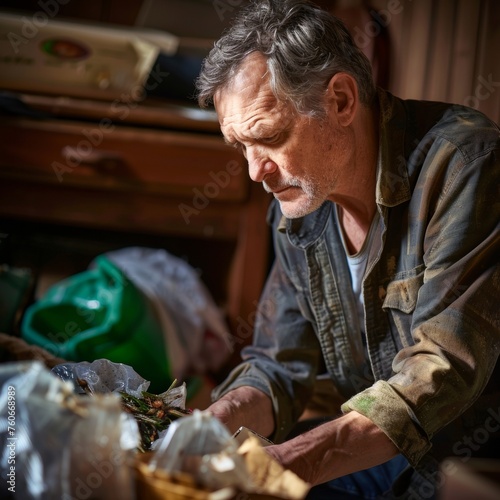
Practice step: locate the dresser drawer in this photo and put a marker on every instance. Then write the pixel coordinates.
(102, 155)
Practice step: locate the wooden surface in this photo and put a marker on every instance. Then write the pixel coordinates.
(82, 167)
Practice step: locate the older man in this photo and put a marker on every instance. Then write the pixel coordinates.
(386, 276)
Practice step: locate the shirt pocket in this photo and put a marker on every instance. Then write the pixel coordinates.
(399, 303)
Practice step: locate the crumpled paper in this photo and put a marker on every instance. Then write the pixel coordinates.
(268, 476)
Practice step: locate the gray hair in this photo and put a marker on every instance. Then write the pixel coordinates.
(304, 46)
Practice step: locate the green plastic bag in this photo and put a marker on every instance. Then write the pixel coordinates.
(96, 314)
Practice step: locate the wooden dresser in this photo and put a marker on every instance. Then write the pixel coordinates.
(150, 170)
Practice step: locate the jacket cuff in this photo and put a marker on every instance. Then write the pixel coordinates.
(385, 408)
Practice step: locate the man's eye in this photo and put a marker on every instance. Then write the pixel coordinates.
(271, 140)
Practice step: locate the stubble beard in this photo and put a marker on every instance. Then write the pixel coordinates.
(308, 199)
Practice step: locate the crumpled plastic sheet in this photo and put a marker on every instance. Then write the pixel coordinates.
(104, 376)
(201, 446)
(60, 445)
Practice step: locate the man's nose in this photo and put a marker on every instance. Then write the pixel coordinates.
(259, 164)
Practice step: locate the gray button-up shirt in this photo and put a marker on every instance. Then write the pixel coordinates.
(427, 372)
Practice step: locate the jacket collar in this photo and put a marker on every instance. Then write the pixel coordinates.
(393, 184)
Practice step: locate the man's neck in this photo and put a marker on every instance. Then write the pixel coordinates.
(357, 205)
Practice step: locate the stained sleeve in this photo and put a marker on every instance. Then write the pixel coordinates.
(455, 324)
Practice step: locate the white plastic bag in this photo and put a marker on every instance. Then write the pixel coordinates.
(184, 306)
(102, 376)
(201, 446)
(61, 445)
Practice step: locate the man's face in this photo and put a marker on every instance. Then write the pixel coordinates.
(297, 158)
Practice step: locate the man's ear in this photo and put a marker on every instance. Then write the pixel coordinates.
(342, 97)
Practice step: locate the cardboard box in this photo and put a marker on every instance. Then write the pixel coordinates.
(40, 55)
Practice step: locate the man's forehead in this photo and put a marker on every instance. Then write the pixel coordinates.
(252, 70)
(248, 78)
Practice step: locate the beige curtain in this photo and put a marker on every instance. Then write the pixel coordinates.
(446, 50)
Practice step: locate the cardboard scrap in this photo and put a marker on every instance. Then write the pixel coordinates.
(268, 475)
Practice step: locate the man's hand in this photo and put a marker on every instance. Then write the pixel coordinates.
(245, 406)
(339, 447)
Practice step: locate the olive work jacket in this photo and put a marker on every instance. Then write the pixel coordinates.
(427, 372)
